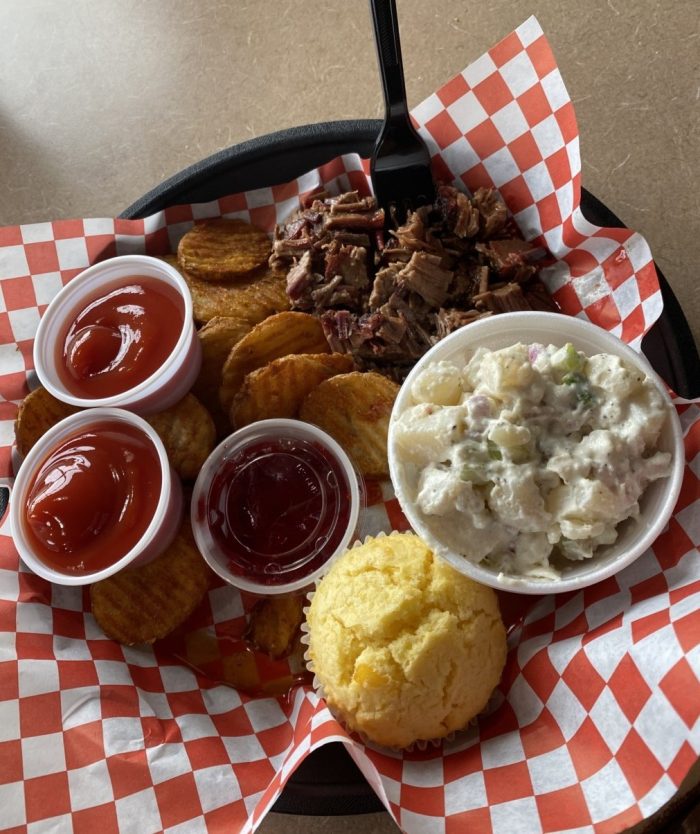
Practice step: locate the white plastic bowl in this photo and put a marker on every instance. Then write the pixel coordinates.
(164, 387)
(657, 502)
(274, 429)
(156, 537)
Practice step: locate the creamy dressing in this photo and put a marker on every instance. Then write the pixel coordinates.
(530, 456)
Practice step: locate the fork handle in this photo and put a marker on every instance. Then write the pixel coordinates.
(386, 31)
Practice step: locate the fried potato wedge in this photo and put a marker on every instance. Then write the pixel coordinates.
(217, 337)
(38, 412)
(274, 624)
(146, 603)
(188, 434)
(253, 299)
(276, 336)
(354, 409)
(223, 249)
(279, 388)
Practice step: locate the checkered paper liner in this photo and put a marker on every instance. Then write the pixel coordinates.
(595, 722)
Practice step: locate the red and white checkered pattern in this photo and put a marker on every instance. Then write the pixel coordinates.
(595, 723)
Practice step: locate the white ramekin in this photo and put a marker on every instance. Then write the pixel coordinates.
(657, 502)
(164, 387)
(274, 429)
(156, 537)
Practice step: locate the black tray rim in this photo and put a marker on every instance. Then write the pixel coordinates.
(327, 782)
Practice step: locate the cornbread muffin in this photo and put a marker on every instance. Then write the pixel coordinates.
(404, 647)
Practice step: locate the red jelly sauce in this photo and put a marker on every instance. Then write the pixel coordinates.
(278, 509)
(120, 338)
(93, 497)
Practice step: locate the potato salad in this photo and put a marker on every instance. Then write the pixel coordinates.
(532, 455)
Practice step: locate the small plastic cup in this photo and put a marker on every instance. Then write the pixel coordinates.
(156, 537)
(656, 503)
(165, 386)
(308, 559)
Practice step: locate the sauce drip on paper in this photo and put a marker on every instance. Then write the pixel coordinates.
(228, 653)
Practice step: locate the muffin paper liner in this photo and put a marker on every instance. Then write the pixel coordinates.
(595, 722)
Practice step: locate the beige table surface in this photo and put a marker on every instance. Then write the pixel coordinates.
(100, 101)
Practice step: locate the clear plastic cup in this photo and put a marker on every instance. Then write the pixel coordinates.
(168, 384)
(656, 503)
(156, 537)
(273, 506)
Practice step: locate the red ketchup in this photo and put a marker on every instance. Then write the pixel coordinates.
(120, 337)
(93, 497)
(278, 509)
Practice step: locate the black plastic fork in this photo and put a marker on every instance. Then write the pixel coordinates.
(400, 165)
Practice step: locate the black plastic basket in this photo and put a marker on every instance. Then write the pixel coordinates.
(328, 782)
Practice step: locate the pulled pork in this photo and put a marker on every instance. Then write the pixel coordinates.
(388, 299)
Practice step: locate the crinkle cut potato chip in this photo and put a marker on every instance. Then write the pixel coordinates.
(279, 388)
(274, 624)
(188, 434)
(223, 249)
(251, 299)
(145, 603)
(217, 337)
(38, 412)
(276, 336)
(354, 409)
(186, 429)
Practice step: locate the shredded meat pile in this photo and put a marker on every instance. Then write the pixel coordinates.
(387, 300)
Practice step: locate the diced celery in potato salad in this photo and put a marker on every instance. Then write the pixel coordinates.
(530, 455)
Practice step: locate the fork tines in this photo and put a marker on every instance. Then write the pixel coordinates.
(401, 188)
